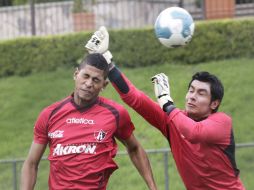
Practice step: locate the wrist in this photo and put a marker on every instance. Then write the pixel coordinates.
(108, 56)
(166, 103)
(169, 107)
(111, 66)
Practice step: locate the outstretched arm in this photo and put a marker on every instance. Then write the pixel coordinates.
(135, 98)
(138, 100)
(30, 166)
(139, 158)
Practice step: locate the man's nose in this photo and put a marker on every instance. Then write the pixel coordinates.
(193, 96)
(89, 83)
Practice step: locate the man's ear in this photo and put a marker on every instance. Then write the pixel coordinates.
(105, 84)
(214, 104)
(75, 74)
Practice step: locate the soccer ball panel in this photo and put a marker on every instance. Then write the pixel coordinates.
(176, 40)
(174, 27)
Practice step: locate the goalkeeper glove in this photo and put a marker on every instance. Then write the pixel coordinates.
(162, 92)
(99, 44)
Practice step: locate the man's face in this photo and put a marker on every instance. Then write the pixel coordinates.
(198, 100)
(89, 81)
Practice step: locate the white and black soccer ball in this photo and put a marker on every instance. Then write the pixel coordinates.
(174, 27)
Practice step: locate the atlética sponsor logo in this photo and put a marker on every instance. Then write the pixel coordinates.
(56, 134)
(80, 121)
(61, 150)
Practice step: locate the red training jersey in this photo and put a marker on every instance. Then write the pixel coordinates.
(204, 151)
(81, 141)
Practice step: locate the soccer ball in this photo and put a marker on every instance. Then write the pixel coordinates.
(174, 27)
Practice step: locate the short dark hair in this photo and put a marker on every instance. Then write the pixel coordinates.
(96, 60)
(216, 87)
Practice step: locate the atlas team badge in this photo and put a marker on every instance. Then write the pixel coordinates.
(99, 135)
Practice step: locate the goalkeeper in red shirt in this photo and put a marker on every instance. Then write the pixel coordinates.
(201, 139)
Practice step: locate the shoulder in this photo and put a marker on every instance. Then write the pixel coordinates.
(117, 109)
(50, 108)
(112, 104)
(221, 116)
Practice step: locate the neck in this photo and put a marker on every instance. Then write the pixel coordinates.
(84, 103)
(198, 118)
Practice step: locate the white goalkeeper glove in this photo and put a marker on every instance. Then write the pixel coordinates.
(162, 90)
(99, 43)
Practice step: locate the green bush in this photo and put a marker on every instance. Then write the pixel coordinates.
(213, 40)
(24, 56)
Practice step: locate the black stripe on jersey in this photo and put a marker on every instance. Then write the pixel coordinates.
(59, 107)
(113, 111)
(230, 152)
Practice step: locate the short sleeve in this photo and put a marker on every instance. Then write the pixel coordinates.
(125, 127)
(40, 128)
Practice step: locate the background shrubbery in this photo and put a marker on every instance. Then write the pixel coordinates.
(214, 40)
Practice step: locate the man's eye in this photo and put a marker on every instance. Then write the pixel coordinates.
(96, 80)
(202, 93)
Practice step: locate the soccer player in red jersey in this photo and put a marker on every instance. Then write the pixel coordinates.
(80, 131)
(201, 139)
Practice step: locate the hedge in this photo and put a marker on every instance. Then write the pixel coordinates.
(212, 40)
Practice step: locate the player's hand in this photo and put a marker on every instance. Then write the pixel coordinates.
(99, 43)
(162, 89)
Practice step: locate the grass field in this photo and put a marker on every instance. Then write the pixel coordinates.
(22, 98)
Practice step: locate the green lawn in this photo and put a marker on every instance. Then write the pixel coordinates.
(22, 98)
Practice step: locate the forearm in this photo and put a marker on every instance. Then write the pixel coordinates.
(119, 81)
(141, 162)
(28, 176)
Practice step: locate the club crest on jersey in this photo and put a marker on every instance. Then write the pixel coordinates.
(99, 135)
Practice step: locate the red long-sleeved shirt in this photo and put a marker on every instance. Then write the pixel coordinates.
(204, 151)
